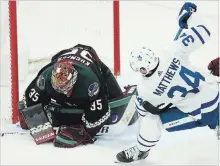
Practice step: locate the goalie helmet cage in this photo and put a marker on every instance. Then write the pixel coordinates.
(14, 55)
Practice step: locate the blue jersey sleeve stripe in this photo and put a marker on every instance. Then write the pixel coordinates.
(196, 112)
(207, 31)
(210, 103)
(197, 33)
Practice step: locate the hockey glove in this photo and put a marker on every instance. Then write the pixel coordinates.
(156, 110)
(185, 13)
(40, 128)
(214, 67)
(150, 108)
(72, 136)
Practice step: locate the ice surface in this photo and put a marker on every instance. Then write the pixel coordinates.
(193, 147)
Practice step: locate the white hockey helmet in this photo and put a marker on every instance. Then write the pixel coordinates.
(143, 60)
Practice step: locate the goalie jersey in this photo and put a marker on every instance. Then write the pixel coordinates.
(89, 91)
(176, 81)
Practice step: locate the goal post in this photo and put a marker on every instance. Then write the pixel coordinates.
(36, 25)
(116, 37)
(14, 59)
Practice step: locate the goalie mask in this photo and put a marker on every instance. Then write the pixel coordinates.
(64, 76)
(144, 61)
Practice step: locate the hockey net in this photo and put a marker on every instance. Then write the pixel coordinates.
(33, 31)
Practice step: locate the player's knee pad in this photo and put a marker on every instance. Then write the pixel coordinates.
(151, 127)
(149, 133)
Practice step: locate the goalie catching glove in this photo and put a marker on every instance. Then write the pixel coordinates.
(72, 136)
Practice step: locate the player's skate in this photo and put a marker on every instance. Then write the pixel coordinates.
(131, 154)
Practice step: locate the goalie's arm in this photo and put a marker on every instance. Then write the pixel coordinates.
(34, 93)
(96, 113)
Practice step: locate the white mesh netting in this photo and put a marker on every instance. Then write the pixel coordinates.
(46, 27)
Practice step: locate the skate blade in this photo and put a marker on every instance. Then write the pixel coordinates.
(133, 162)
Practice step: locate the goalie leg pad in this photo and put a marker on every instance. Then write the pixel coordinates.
(40, 128)
(119, 106)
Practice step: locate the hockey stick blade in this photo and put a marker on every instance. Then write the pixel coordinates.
(12, 129)
(13, 133)
(134, 162)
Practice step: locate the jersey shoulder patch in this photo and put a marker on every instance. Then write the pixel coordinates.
(41, 82)
(93, 89)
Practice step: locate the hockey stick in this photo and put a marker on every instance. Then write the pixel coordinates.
(13, 129)
(14, 133)
(180, 29)
(178, 34)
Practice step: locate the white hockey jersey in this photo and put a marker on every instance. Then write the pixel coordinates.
(176, 81)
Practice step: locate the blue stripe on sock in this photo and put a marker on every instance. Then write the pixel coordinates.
(145, 151)
(140, 108)
(207, 31)
(149, 146)
(140, 114)
(197, 33)
(147, 140)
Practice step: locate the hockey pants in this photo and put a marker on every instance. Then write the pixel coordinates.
(175, 120)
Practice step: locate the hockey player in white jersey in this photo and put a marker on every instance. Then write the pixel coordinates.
(172, 94)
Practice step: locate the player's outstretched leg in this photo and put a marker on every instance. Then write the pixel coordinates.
(148, 136)
(131, 154)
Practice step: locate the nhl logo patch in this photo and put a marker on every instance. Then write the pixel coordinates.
(139, 58)
(159, 73)
(93, 89)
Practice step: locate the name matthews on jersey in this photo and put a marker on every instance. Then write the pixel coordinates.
(168, 77)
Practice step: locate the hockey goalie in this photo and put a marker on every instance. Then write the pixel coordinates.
(77, 93)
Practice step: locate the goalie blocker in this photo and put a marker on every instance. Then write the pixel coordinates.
(123, 114)
(36, 120)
